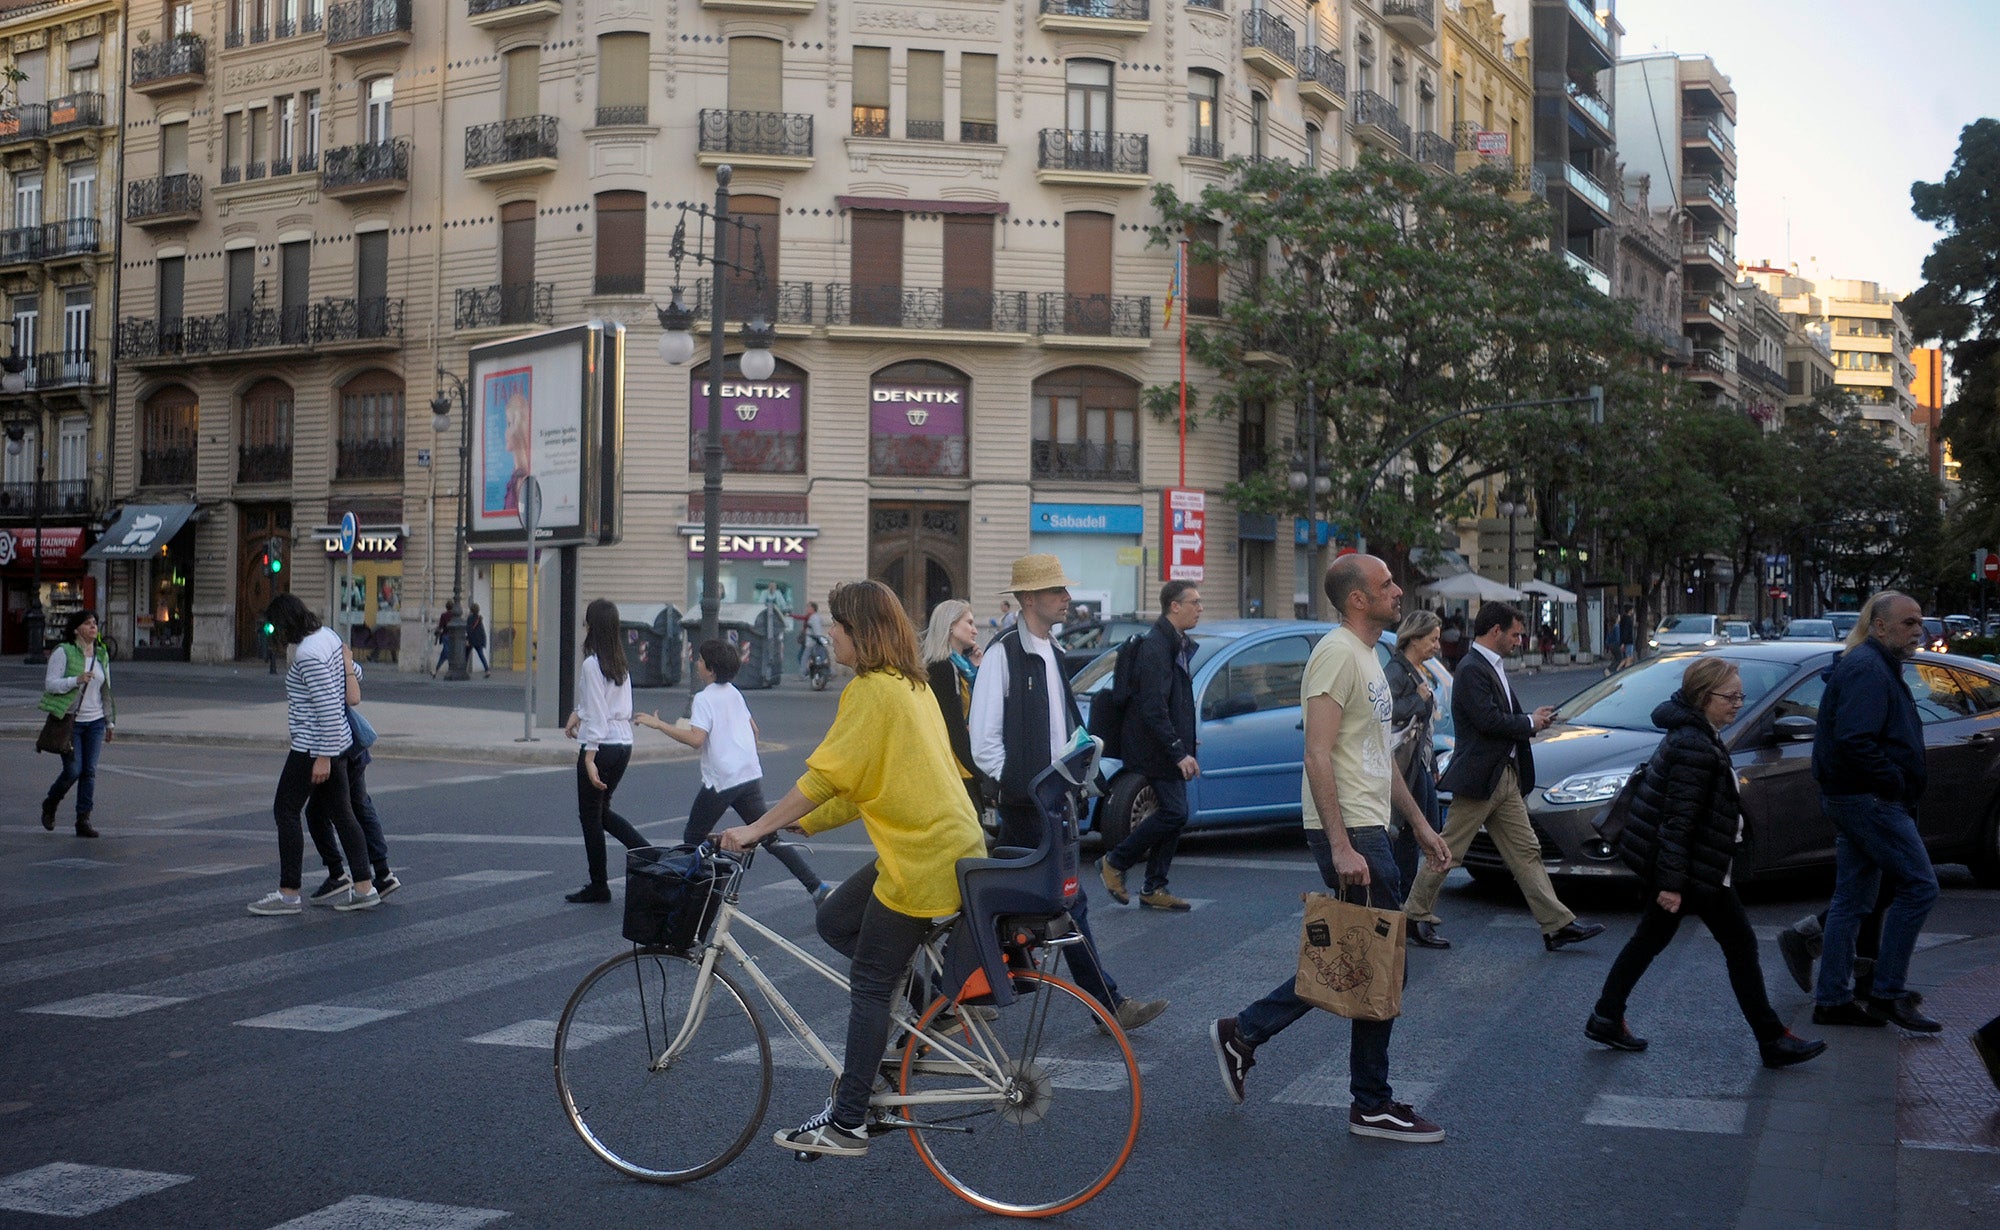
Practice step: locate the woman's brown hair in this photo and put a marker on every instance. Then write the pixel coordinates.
(603, 639)
(1702, 680)
(884, 639)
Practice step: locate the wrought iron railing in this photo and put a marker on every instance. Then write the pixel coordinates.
(1436, 150)
(775, 133)
(1709, 361)
(1424, 11)
(24, 121)
(1213, 5)
(1372, 110)
(167, 467)
(264, 463)
(870, 122)
(1204, 145)
(374, 162)
(506, 303)
(923, 130)
(364, 459)
(478, 7)
(1103, 10)
(780, 303)
(1061, 312)
(359, 19)
(1324, 67)
(1109, 153)
(1084, 459)
(161, 196)
(184, 55)
(232, 175)
(1271, 33)
(328, 322)
(978, 132)
(609, 116)
(64, 369)
(1756, 370)
(22, 244)
(59, 497)
(927, 307)
(516, 140)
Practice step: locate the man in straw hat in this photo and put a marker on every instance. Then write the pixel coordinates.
(1023, 716)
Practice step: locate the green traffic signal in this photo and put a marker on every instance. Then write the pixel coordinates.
(269, 627)
(277, 566)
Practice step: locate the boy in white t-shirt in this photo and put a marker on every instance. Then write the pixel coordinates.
(731, 775)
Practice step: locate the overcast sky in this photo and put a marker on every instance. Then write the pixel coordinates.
(1840, 105)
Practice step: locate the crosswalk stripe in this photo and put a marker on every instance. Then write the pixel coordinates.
(213, 869)
(1725, 1118)
(540, 1035)
(383, 1213)
(106, 1005)
(1325, 1084)
(496, 876)
(318, 1018)
(146, 912)
(75, 864)
(65, 1189)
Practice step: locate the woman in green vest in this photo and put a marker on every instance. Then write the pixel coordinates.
(76, 666)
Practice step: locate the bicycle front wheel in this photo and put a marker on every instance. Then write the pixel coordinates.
(1064, 1119)
(664, 1076)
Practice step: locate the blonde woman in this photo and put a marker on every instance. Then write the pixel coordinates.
(951, 654)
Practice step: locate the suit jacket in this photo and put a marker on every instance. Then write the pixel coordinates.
(1489, 725)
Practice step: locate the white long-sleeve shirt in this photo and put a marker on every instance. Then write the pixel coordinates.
(603, 709)
(316, 696)
(58, 679)
(986, 723)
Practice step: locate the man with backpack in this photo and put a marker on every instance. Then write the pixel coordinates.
(1157, 740)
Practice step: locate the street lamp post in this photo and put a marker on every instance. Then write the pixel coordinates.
(13, 379)
(440, 422)
(1511, 506)
(756, 363)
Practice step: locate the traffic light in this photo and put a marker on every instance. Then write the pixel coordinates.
(269, 627)
(274, 561)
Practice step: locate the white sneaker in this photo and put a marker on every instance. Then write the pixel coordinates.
(276, 903)
(360, 901)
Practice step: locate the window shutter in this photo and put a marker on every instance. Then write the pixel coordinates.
(871, 76)
(524, 82)
(241, 278)
(517, 243)
(877, 268)
(756, 69)
(1204, 278)
(173, 149)
(978, 91)
(759, 215)
(83, 53)
(621, 70)
(294, 290)
(172, 277)
(371, 265)
(621, 243)
(1087, 253)
(927, 87)
(968, 271)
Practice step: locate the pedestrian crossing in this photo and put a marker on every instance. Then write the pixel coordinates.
(72, 1190)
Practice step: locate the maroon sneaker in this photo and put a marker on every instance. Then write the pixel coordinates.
(1393, 1121)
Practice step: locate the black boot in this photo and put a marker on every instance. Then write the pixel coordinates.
(49, 813)
(83, 828)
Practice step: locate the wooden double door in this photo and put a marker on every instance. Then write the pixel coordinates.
(919, 551)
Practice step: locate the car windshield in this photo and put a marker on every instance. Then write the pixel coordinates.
(1935, 627)
(1738, 629)
(1843, 621)
(1809, 630)
(1626, 700)
(1098, 674)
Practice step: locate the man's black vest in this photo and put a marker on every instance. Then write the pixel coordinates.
(1024, 721)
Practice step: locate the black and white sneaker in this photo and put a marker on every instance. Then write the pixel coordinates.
(335, 889)
(1233, 1055)
(1393, 1121)
(820, 1134)
(387, 883)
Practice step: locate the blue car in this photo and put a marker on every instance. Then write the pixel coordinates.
(1247, 676)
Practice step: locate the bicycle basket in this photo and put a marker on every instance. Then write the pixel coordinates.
(673, 895)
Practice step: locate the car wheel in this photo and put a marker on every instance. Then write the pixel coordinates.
(1124, 809)
(1985, 861)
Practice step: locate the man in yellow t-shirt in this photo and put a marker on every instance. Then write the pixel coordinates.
(1350, 787)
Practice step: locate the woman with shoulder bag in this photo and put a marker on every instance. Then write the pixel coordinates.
(1685, 826)
(78, 683)
(951, 654)
(1413, 709)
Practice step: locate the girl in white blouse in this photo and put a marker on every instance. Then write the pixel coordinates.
(602, 722)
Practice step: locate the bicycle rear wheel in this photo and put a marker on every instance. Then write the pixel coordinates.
(1066, 1122)
(660, 1094)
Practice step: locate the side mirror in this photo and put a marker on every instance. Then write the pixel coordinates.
(1794, 729)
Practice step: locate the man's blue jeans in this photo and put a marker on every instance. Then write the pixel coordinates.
(1873, 838)
(1368, 1047)
(1158, 835)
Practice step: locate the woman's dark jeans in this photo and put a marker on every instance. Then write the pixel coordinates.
(748, 800)
(79, 768)
(1722, 910)
(295, 791)
(321, 828)
(593, 807)
(879, 943)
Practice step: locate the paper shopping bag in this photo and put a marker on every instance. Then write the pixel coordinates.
(1351, 959)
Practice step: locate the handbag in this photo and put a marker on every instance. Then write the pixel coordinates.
(1351, 958)
(59, 733)
(1611, 822)
(362, 729)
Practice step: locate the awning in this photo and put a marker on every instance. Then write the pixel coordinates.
(1554, 592)
(1438, 562)
(141, 530)
(1470, 586)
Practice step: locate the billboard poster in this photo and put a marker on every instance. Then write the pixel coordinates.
(540, 406)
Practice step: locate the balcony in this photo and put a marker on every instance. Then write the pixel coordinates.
(22, 245)
(1598, 279)
(68, 369)
(60, 497)
(1529, 181)
(1322, 77)
(772, 140)
(622, 117)
(264, 463)
(1436, 151)
(511, 149)
(1117, 18)
(167, 467)
(1269, 45)
(75, 113)
(23, 122)
(504, 305)
(1674, 346)
(360, 26)
(71, 239)
(1700, 132)
(1586, 185)
(978, 132)
(856, 309)
(1084, 460)
(1699, 247)
(1707, 192)
(167, 200)
(1710, 365)
(1094, 158)
(369, 324)
(1376, 123)
(783, 7)
(1126, 318)
(1205, 145)
(1707, 310)
(497, 15)
(1415, 20)
(354, 172)
(1589, 41)
(781, 303)
(179, 63)
(1651, 242)
(1593, 107)
(362, 460)
(1770, 377)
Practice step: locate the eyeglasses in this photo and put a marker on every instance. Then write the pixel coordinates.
(1734, 698)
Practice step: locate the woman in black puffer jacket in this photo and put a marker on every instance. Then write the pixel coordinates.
(1685, 825)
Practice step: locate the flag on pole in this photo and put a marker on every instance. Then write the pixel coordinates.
(1174, 281)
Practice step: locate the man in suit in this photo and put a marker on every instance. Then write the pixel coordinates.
(1492, 766)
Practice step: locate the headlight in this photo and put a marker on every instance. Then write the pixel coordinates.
(1709, 643)
(1652, 642)
(1588, 787)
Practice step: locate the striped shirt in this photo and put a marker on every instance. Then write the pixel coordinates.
(316, 697)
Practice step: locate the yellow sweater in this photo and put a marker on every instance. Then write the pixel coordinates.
(887, 759)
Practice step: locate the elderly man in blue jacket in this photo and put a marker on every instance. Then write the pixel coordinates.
(1868, 758)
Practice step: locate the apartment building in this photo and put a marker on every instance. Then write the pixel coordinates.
(1868, 343)
(1489, 90)
(1647, 273)
(327, 204)
(59, 152)
(1762, 330)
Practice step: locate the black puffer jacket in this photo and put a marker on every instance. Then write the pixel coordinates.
(1684, 817)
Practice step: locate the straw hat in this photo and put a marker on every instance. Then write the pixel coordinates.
(1033, 572)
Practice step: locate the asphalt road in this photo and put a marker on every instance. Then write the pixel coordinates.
(185, 1064)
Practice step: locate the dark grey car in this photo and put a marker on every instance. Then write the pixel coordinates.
(1606, 730)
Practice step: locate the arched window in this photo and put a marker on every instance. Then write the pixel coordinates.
(371, 427)
(621, 243)
(264, 434)
(1085, 425)
(763, 422)
(917, 420)
(1204, 97)
(168, 424)
(621, 77)
(378, 120)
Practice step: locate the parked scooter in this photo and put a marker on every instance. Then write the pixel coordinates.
(819, 661)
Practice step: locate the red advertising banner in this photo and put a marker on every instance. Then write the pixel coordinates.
(61, 549)
(1184, 529)
(1491, 144)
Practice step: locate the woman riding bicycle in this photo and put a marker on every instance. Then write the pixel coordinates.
(886, 760)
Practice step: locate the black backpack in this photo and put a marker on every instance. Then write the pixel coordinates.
(1107, 708)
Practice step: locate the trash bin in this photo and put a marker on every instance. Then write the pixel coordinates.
(651, 654)
(738, 624)
(769, 658)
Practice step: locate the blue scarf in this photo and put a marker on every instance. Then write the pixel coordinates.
(966, 670)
